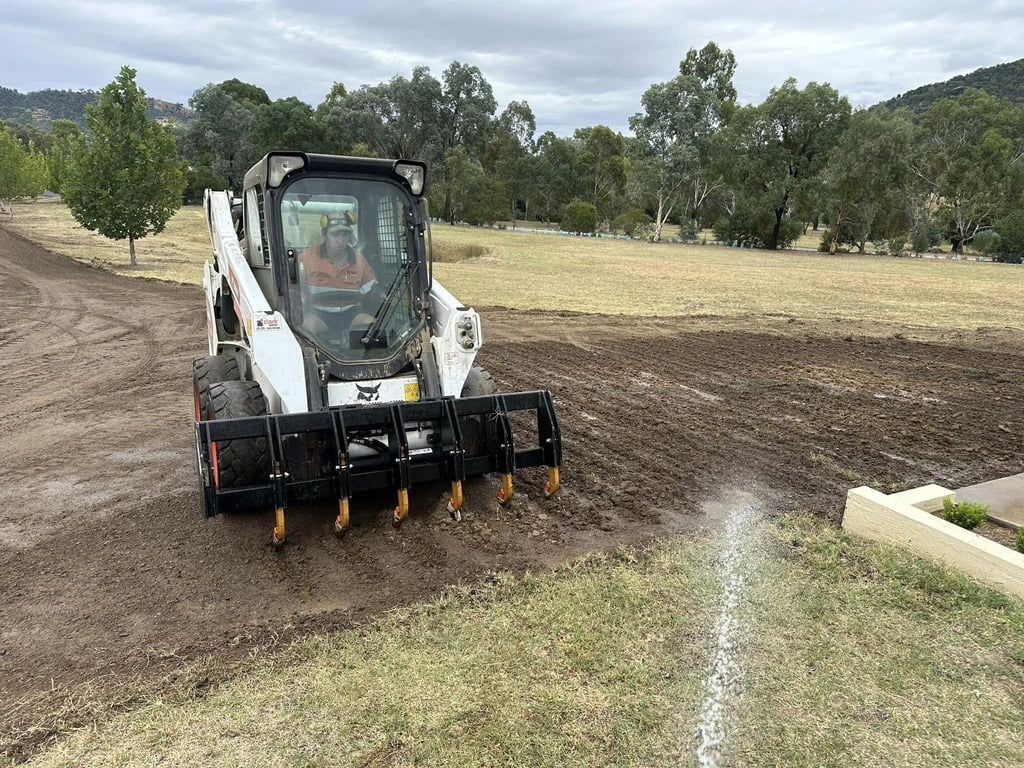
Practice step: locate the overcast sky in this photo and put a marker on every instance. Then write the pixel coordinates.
(577, 63)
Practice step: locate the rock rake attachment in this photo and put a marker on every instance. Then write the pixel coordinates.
(438, 452)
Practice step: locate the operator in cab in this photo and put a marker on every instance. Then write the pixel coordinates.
(336, 265)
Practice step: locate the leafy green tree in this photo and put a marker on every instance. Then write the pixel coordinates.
(509, 150)
(465, 109)
(714, 69)
(464, 177)
(398, 118)
(335, 97)
(222, 134)
(28, 135)
(969, 153)
(676, 135)
(65, 144)
(127, 181)
(580, 217)
(333, 140)
(23, 171)
(772, 149)
(864, 185)
(197, 181)
(246, 94)
(602, 165)
(555, 171)
(285, 124)
(485, 201)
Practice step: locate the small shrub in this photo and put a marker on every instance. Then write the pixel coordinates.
(1010, 248)
(632, 222)
(966, 514)
(986, 242)
(924, 236)
(752, 226)
(1020, 539)
(687, 231)
(579, 216)
(847, 238)
(892, 246)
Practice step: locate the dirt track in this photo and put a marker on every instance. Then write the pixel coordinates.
(112, 579)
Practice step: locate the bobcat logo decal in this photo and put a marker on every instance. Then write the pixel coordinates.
(369, 394)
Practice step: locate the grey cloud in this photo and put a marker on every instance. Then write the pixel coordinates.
(576, 63)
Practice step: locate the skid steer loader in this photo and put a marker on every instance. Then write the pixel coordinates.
(337, 364)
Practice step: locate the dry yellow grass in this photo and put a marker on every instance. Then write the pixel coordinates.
(175, 254)
(536, 271)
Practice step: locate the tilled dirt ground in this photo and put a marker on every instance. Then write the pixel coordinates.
(114, 583)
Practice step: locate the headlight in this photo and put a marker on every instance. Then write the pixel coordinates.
(281, 166)
(414, 174)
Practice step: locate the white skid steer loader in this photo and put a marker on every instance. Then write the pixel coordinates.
(337, 364)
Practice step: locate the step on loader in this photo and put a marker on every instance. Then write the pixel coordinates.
(337, 363)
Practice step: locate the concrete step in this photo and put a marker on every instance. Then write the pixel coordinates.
(1004, 497)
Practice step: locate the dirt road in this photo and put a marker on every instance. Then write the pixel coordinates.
(112, 579)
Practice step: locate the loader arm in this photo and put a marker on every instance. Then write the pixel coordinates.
(273, 349)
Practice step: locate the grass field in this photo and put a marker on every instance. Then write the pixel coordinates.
(535, 271)
(853, 655)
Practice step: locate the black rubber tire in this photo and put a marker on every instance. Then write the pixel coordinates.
(207, 371)
(239, 462)
(479, 383)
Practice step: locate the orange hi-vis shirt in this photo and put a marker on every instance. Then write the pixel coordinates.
(325, 273)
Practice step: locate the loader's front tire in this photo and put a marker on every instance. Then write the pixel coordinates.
(207, 371)
(479, 383)
(239, 462)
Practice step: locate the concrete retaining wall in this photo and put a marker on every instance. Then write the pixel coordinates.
(905, 519)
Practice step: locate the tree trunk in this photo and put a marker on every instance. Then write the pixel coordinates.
(658, 221)
(773, 243)
(131, 249)
(817, 216)
(836, 226)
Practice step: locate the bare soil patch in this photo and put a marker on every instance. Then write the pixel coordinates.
(113, 580)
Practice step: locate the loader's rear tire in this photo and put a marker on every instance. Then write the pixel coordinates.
(207, 371)
(239, 462)
(479, 383)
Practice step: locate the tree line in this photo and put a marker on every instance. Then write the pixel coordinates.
(759, 175)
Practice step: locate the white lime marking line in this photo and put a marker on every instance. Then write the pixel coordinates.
(723, 680)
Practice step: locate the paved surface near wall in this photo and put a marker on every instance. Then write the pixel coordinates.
(1004, 497)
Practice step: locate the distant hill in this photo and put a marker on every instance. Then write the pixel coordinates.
(1003, 80)
(40, 108)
